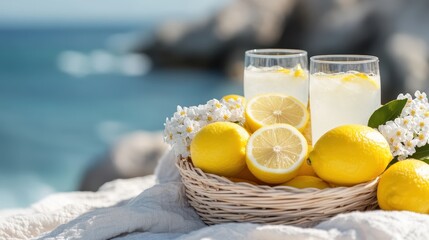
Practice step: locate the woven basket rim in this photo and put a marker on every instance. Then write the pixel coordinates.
(225, 182)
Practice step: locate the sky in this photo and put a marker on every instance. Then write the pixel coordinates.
(99, 12)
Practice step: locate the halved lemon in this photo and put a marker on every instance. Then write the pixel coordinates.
(268, 109)
(275, 153)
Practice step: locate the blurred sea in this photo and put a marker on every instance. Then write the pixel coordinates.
(54, 125)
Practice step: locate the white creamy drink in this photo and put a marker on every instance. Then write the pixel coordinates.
(342, 98)
(276, 79)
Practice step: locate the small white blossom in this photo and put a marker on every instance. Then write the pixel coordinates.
(407, 96)
(421, 97)
(187, 121)
(423, 139)
(410, 146)
(411, 129)
(421, 124)
(400, 151)
(389, 132)
(406, 122)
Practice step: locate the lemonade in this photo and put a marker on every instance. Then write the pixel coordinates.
(342, 98)
(344, 89)
(276, 79)
(281, 71)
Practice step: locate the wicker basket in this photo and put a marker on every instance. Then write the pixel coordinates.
(218, 200)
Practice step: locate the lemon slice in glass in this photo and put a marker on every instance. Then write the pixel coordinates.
(275, 153)
(296, 72)
(268, 109)
(361, 79)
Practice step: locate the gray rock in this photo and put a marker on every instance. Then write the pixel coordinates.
(394, 30)
(133, 155)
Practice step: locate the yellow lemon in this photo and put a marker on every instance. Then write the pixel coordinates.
(284, 70)
(268, 109)
(361, 79)
(307, 132)
(247, 175)
(220, 148)
(237, 180)
(306, 182)
(405, 186)
(235, 97)
(350, 154)
(275, 153)
(307, 129)
(297, 71)
(306, 170)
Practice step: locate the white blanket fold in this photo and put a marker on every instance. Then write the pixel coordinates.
(161, 211)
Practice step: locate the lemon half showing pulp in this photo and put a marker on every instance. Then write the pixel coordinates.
(275, 153)
(268, 109)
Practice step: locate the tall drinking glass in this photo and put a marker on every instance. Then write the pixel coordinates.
(282, 71)
(344, 89)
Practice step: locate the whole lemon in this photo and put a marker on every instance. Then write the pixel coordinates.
(220, 148)
(306, 170)
(350, 154)
(247, 175)
(405, 186)
(306, 182)
(238, 180)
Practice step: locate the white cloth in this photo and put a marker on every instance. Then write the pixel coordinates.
(58, 209)
(162, 212)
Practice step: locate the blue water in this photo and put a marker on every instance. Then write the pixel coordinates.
(53, 125)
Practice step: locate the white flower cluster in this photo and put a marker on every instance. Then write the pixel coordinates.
(411, 128)
(187, 121)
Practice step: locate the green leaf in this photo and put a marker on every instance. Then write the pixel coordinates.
(422, 153)
(387, 112)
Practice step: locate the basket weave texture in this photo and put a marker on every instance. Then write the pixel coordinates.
(218, 200)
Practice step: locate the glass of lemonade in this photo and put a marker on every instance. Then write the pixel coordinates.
(282, 71)
(344, 89)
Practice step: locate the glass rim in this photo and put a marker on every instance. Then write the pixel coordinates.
(282, 53)
(360, 59)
